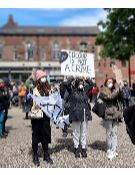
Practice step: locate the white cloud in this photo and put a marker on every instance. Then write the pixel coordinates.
(85, 20)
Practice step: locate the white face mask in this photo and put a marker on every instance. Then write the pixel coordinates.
(110, 85)
(43, 79)
(80, 86)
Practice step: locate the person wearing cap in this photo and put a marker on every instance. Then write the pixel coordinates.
(41, 130)
(3, 104)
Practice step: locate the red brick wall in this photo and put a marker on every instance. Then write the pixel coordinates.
(47, 41)
(66, 42)
(104, 70)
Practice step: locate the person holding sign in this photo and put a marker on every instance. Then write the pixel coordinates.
(41, 130)
(79, 112)
(112, 115)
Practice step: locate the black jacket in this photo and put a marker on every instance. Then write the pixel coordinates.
(3, 99)
(66, 97)
(78, 100)
(129, 117)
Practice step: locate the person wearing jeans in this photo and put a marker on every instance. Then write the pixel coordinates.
(113, 114)
(111, 136)
(79, 112)
(3, 107)
(80, 131)
(2, 115)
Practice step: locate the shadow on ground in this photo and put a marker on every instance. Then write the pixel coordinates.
(62, 143)
(102, 123)
(9, 128)
(10, 117)
(98, 145)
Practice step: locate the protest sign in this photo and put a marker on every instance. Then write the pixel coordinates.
(52, 107)
(118, 74)
(77, 63)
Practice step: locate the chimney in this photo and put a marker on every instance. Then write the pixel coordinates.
(10, 23)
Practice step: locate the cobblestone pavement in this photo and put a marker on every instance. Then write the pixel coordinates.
(15, 150)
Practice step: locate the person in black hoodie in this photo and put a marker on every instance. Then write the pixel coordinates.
(79, 112)
(3, 105)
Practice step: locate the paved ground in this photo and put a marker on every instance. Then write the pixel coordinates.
(15, 151)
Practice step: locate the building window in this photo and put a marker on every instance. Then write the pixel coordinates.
(112, 62)
(123, 63)
(93, 49)
(29, 51)
(56, 51)
(83, 47)
(1, 50)
(99, 64)
(15, 53)
(42, 53)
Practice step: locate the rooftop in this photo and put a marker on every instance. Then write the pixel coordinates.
(11, 28)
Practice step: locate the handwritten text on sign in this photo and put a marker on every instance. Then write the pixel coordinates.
(77, 63)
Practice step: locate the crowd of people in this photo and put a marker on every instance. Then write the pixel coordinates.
(77, 94)
(12, 94)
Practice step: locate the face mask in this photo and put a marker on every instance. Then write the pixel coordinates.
(80, 86)
(43, 79)
(110, 85)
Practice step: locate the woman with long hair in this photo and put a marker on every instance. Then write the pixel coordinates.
(113, 113)
(41, 130)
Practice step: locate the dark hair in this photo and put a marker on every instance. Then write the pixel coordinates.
(77, 81)
(111, 78)
(43, 87)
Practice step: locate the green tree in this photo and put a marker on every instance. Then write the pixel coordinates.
(118, 35)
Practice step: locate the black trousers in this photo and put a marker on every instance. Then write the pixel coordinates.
(41, 132)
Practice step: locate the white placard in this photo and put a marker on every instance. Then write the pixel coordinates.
(118, 74)
(77, 63)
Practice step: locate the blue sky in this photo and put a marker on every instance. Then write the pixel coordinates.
(53, 17)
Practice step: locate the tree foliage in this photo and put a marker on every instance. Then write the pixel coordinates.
(118, 35)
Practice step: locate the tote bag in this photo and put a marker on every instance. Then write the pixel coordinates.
(99, 107)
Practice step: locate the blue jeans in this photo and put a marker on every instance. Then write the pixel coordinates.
(111, 134)
(2, 115)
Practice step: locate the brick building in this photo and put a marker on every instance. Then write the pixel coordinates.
(23, 48)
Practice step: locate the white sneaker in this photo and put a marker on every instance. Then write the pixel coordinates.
(110, 155)
(115, 154)
(108, 151)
